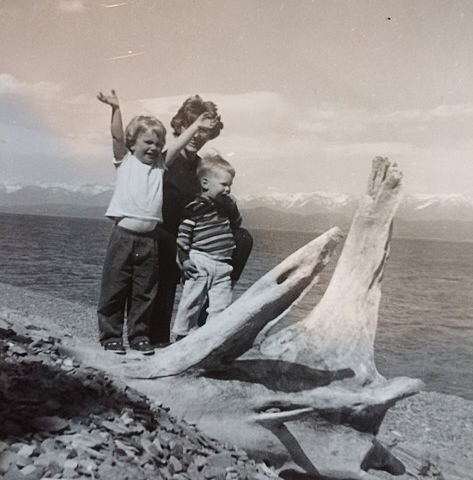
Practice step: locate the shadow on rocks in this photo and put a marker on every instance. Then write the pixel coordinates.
(41, 394)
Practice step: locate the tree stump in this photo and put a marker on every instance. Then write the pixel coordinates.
(340, 331)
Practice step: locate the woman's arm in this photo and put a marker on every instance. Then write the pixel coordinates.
(203, 122)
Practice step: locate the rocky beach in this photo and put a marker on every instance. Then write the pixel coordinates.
(61, 419)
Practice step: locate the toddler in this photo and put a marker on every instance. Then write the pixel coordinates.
(205, 245)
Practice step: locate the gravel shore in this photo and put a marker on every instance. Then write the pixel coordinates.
(436, 428)
(62, 420)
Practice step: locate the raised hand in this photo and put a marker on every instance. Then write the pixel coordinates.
(205, 121)
(111, 99)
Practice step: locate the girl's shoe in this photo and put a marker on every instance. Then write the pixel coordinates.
(144, 347)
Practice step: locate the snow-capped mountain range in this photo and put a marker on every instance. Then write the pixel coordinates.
(413, 206)
(302, 203)
(300, 211)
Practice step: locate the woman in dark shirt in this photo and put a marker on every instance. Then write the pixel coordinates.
(180, 188)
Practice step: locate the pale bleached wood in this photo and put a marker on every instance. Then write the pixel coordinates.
(336, 397)
(330, 431)
(340, 331)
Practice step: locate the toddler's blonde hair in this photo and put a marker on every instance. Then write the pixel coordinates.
(211, 163)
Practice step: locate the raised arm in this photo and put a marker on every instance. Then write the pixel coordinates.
(203, 122)
(116, 125)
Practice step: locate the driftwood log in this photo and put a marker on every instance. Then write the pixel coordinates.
(340, 331)
(307, 398)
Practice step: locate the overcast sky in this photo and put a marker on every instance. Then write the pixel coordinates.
(309, 90)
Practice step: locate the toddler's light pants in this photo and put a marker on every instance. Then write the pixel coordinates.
(213, 279)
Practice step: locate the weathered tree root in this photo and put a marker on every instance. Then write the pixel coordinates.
(335, 426)
(339, 332)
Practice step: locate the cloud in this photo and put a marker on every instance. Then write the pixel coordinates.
(256, 112)
(252, 112)
(71, 6)
(440, 112)
(275, 145)
(369, 149)
(264, 113)
(325, 116)
(449, 111)
(11, 85)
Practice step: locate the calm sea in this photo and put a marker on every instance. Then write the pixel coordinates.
(426, 315)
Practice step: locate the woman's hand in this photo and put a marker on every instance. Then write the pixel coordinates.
(205, 121)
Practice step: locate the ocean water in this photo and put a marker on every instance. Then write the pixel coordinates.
(425, 326)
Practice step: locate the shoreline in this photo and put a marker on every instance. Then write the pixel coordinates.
(437, 426)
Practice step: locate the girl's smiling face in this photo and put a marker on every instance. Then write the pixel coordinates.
(148, 146)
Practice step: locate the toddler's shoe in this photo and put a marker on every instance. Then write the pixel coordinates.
(143, 346)
(175, 337)
(115, 347)
(161, 344)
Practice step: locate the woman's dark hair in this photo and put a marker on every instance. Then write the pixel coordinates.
(190, 110)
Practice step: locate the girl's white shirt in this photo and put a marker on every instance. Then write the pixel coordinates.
(137, 200)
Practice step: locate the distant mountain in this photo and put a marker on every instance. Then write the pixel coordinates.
(413, 206)
(55, 194)
(303, 203)
(269, 219)
(448, 217)
(428, 216)
(436, 207)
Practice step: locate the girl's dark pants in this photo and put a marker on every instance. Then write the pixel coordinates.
(129, 281)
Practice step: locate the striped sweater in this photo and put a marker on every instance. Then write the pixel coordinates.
(207, 226)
